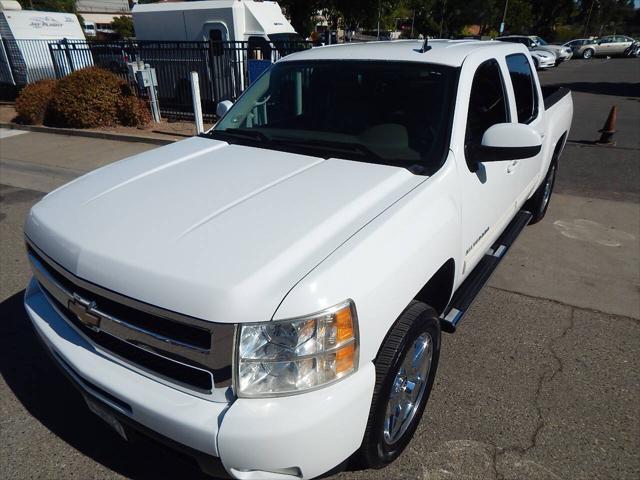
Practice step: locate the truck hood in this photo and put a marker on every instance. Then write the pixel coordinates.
(216, 231)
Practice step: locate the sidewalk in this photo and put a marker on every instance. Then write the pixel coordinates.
(159, 134)
(44, 161)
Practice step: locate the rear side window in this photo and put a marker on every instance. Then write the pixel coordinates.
(524, 87)
(487, 103)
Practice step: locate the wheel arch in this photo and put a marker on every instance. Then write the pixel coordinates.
(559, 147)
(438, 290)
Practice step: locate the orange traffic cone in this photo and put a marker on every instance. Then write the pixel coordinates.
(609, 127)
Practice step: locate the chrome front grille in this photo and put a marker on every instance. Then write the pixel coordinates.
(185, 352)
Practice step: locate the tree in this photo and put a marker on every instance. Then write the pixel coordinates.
(547, 14)
(602, 17)
(302, 13)
(123, 26)
(68, 6)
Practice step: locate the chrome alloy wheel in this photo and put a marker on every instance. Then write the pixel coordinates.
(548, 186)
(408, 388)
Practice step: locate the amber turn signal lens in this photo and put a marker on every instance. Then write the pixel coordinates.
(344, 324)
(345, 359)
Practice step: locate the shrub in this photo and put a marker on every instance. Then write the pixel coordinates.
(33, 101)
(133, 112)
(87, 98)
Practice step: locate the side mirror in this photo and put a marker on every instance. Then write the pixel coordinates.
(507, 141)
(223, 107)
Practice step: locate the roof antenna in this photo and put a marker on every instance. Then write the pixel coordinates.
(425, 46)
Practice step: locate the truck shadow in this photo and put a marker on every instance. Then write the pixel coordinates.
(49, 397)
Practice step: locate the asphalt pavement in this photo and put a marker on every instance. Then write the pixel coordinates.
(541, 381)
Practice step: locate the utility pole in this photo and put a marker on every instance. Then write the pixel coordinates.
(444, 11)
(379, 10)
(504, 16)
(586, 25)
(413, 21)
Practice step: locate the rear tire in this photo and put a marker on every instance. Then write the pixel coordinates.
(588, 53)
(539, 202)
(405, 370)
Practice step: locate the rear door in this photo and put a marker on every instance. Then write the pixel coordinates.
(620, 44)
(525, 109)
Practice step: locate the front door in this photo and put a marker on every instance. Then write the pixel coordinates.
(527, 111)
(489, 190)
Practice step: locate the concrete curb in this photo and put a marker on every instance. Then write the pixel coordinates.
(122, 137)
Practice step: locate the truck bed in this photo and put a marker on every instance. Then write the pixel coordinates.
(553, 94)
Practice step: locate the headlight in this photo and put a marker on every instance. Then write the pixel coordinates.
(292, 356)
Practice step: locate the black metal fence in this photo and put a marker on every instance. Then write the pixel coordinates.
(225, 69)
(27, 61)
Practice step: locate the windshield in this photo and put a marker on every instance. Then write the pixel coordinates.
(539, 41)
(389, 113)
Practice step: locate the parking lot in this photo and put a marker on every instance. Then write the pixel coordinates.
(541, 381)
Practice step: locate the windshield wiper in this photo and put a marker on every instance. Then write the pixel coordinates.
(243, 132)
(352, 147)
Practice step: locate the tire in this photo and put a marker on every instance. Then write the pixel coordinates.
(417, 328)
(539, 202)
(536, 63)
(588, 53)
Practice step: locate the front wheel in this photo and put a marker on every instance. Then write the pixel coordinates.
(588, 53)
(405, 371)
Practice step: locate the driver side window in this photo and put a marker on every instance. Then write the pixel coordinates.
(487, 103)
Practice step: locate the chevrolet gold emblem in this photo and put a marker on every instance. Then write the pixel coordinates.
(84, 311)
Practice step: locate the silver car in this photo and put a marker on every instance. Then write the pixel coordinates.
(608, 46)
(579, 45)
(535, 43)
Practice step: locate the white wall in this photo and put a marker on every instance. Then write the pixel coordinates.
(102, 5)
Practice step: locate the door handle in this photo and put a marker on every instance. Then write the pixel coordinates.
(512, 166)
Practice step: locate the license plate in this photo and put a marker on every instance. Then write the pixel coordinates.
(107, 417)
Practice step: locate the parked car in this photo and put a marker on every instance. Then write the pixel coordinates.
(579, 45)
(563, 53)
(269, 297)
(533, 42)
(89, 29)
(610, 45)
(543, 59)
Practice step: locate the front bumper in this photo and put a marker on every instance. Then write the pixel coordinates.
(299, 436)
(544, 63)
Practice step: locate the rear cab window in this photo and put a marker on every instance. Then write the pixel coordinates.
(524, 87)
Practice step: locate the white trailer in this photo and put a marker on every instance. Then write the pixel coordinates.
(260, 24)
(24, 42)
(217, 20)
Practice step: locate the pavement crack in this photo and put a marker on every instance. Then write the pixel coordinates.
(634, 320)
(546, 377)
(494, 463)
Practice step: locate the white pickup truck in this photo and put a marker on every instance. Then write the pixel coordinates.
(269, 297)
